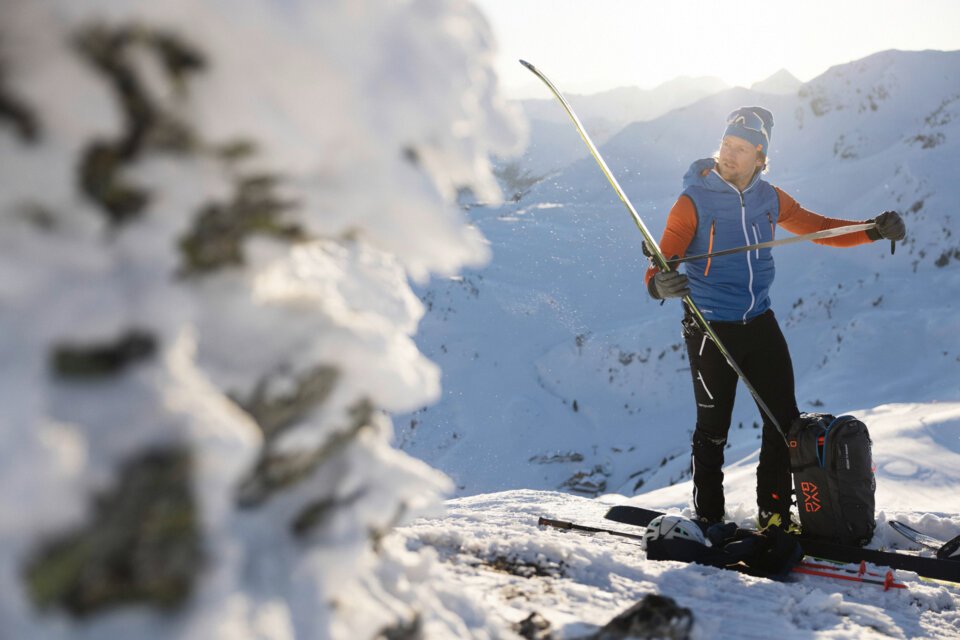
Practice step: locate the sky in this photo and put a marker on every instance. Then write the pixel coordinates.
(587, 47)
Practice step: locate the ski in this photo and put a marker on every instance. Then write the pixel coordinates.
(913, 535)
(652, 245)
(806, 567)
(949, 550)
(937, 568)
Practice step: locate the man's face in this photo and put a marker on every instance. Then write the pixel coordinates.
(738, 161)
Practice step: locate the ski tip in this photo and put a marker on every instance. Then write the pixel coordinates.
(526, 64)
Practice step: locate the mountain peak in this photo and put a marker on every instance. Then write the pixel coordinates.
(782, 82)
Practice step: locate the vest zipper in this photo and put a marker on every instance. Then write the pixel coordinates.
(746, 236)
(713, 226)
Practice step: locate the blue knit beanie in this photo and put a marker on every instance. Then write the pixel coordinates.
(753, 124)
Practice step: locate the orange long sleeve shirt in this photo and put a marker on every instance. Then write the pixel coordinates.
(682, 225)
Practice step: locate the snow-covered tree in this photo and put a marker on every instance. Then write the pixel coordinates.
(209, 213)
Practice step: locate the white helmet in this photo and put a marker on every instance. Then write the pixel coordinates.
(672, 528)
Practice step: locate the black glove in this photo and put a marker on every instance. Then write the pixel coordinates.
(669, 284)
(889, 225)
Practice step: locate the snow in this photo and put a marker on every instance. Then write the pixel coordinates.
(583, 580)
(490, 550)
(523, 367)
(579, 581)
(274, 371)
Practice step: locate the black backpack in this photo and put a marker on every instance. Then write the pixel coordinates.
(832, 463)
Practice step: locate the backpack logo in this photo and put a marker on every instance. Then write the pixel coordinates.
(811, 497)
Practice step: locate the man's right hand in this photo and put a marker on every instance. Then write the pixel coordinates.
(671, 284)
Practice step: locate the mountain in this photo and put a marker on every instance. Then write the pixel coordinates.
(627, 104)
(560, 373)
(554, 143)
(781, 82)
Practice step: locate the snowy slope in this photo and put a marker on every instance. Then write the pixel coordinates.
(487, 554)
(560, 372)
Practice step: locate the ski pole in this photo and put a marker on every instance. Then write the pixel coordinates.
(658, 256)
(862, 570)
(887, 583)
(828, 233)
(563, 524)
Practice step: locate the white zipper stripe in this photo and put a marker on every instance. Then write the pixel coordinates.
(700, 377)
(703, 343)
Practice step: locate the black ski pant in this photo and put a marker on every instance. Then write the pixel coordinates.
(760, 350)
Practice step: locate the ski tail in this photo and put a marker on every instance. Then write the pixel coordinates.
(949, 550)
(915, 536)
(647, 236)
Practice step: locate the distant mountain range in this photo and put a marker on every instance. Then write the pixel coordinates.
(628, 104)
(554, 144)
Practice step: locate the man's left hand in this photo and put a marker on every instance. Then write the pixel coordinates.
(890, 226)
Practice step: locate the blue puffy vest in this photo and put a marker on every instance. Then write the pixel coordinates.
(735, 287)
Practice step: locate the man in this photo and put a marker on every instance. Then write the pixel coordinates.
(726, 204)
